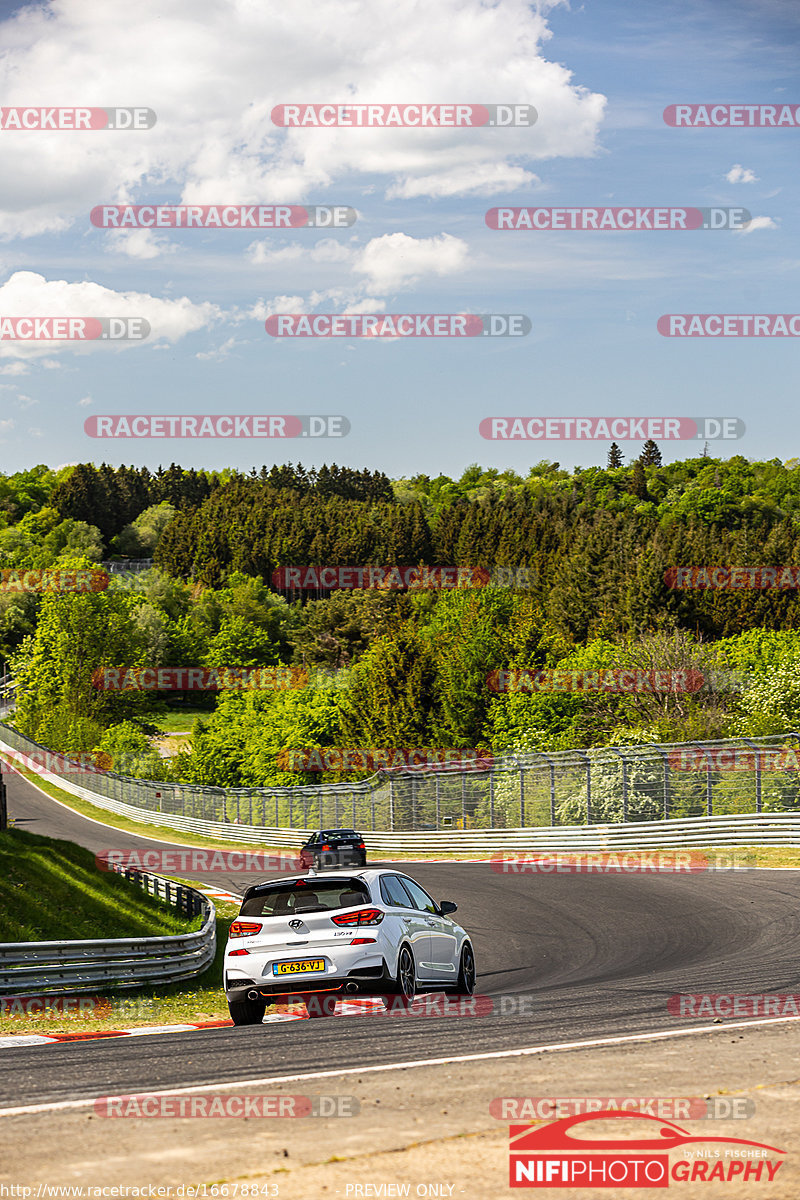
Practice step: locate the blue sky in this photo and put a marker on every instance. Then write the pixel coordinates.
(600, 74)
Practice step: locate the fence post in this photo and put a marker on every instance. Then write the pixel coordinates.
(436, 777)
(391, 802)
(491, 798)
(3, 802)
(757, 761)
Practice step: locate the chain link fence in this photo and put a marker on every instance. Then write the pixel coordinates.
(532, 790)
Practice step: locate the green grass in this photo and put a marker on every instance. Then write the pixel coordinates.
(177, 720)
(51, 890)
(188, 1002)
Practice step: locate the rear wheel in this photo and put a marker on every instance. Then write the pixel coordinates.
(247, 1012)
(320, 1006)
(405, 983)
(466, 973)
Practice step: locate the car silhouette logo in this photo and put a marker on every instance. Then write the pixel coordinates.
(553, 1155)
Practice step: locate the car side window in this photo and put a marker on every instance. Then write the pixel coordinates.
(421, 899)
(393, 892)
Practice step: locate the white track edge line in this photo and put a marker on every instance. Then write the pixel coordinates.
(628, 1038)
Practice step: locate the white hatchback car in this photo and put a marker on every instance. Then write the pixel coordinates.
(365, 932)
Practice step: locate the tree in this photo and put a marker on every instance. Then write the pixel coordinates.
(614, 456)
(651, 455)
(638, 483)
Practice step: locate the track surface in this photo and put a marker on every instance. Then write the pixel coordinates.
(596, 956)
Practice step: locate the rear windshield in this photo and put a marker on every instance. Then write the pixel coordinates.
(301, 896)
(338, 835)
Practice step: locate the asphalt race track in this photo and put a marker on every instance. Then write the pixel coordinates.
(591, 956)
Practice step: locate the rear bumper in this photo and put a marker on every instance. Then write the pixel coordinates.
(360, 981)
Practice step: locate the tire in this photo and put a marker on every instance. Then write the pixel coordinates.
(466, 973)
(247, 1012)
(320, 1006)
(405, 984)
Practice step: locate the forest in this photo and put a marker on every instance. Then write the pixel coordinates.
(591, 556)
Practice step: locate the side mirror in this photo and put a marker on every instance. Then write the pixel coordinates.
(447, 906)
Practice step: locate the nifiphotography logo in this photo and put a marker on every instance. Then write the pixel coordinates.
(556, 1155)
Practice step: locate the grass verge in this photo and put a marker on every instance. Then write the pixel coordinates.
(52, 890)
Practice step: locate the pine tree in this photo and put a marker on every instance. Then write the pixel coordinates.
(614, 457)
(638, 483)
(651, 455)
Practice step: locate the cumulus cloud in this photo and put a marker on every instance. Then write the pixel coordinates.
(27, 294)
(759, 223)
(397, 260)
(215, 70)
(740, 174)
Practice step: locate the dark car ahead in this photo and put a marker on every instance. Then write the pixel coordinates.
(334, 847)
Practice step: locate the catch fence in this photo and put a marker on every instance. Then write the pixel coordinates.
(534, 790)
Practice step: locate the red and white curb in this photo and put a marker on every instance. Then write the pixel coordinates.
(344, 1008)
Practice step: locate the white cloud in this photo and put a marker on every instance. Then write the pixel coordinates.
(85, 402)
(15, 368)
(397, 260)
(219, 352)
(27, 294)
(740, 174)
(328, 250)
(216, 69)
(139, 243)
(759, 223)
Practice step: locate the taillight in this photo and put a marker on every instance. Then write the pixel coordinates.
(359, 942)
(363, 916)
(361, 846)
(237, 953)
(326, 846)
(243, 928)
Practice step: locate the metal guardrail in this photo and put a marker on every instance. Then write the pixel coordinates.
(72, 966)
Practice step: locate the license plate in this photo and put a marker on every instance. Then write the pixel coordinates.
(295, 968)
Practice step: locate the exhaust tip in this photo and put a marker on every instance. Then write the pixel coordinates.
(253, 994)
(351, 987)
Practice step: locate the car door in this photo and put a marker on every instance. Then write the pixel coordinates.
(413, 922)
(443, 943)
